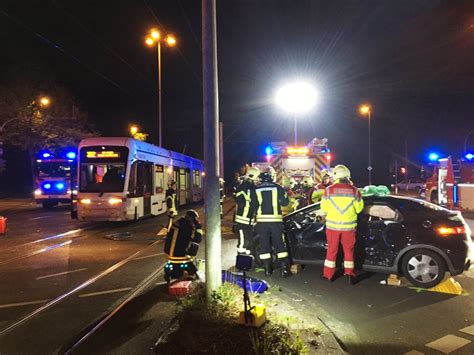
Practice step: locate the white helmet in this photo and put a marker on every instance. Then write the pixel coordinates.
(341, 172)
(252, 174)
(324, 173)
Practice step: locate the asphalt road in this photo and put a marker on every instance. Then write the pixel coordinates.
(59, 275)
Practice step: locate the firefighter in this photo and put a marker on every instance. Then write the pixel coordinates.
(181, 246)
(342, 203)
(267, 200)
(306, 188)
(171, 210)
(318, 191)
(244, 212)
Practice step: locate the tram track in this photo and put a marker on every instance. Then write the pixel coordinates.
(55, 301)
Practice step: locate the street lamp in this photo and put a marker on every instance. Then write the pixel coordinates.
(366, 110)
(133, 130)
(44, 101)
(155, 38)
(296, 98)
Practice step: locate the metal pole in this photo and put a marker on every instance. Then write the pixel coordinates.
(221, 149)
(295, 130)
(159, 95)
(370, 152)
(211, 147)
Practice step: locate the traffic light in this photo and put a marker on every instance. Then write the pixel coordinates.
(403, 171)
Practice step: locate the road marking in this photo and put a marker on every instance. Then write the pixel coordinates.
(40, 217)
(105, 292)
(58, 235)
(60, 274)
(10, 305)
(414, 352)
(148, 256)
(448, 343)
(468, 330)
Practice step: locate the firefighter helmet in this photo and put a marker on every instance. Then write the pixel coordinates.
(325, 173)
(192, 214)
(171, 183)
(266, 177)
(252, 174)
(292, 182)
(341, 172)
(308, 181)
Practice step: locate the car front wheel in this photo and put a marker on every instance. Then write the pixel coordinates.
(423, 268)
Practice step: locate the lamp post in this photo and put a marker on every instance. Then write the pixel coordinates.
(366, 110)
(155, 38)
(296, 98)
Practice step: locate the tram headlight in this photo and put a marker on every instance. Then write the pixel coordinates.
(115, 200)
(85, 201)
(37, 192)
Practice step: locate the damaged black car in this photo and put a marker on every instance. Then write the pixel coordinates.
(395, 235)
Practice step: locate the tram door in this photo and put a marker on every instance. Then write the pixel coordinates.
(147, 187)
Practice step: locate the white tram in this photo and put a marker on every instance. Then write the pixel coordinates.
(124, 179)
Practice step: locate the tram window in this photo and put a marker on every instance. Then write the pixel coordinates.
(97, 177)
(182, 179)
(148, 178)
(159, 178)
(141, 179)
(196, 179)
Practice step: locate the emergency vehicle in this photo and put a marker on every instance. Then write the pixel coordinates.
(54, 177)
(297, 162)
(452, 183)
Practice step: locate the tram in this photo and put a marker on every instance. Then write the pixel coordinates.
(122, 179)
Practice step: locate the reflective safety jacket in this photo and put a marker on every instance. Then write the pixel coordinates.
(244, 211)
(179, 237)
(317, 192)
(342, 203)
(171, 202)
(267, 200)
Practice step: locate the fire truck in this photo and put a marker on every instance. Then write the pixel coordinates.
(55, 177)
(452, 183)
(297, 162)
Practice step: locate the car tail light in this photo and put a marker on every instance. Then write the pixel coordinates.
(85, 201)
(447, 231)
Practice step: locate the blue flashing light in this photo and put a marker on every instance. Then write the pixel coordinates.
(268, 150)
(46, 155)
(469, 156)
(47, 186)
(60, 185)
(71, 155)
(433, 156)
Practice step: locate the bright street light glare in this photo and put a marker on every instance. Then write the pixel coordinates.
(149, 41)
(171, 40)
(155, 34)
(298, 97)
(364, 109)
(45, 101)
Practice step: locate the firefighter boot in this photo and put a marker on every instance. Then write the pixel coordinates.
(285, 268)
(268, 267)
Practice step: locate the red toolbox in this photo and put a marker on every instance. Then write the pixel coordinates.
(180, 288)
(3, 225)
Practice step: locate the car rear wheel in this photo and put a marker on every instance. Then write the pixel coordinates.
(423, 268)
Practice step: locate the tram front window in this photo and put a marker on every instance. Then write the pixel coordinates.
(102, 177)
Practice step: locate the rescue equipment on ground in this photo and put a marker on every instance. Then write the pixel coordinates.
(180, 288)
(251, 284)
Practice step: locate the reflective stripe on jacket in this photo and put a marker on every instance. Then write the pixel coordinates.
(243, 208)
(342, 203)
(267, 199)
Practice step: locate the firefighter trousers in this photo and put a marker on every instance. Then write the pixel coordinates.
(271, 235)
(245, 232)
(347, 239)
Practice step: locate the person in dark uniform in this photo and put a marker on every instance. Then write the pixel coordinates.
(267, 200)
(181, 246)
(171, 209)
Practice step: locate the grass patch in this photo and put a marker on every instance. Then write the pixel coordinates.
(211, 328)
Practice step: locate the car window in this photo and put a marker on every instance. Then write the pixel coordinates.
(380, 213)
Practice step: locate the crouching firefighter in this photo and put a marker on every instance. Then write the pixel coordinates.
(181, 246)
(244, 211)
(267, 199)
(342, 203)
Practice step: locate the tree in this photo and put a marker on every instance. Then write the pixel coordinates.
(32, 125)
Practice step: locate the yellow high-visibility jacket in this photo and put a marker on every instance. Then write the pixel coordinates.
(342, 203)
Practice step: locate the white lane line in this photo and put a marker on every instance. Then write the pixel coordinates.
(40, 217)
(448, 343)
(468, 330)
(60, 274)
(10, 305)
(148, 256)
(58, 235)
(105, 292)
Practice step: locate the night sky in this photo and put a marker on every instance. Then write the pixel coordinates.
(412, 60)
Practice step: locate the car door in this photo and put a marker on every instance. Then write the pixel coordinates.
(380, 233)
